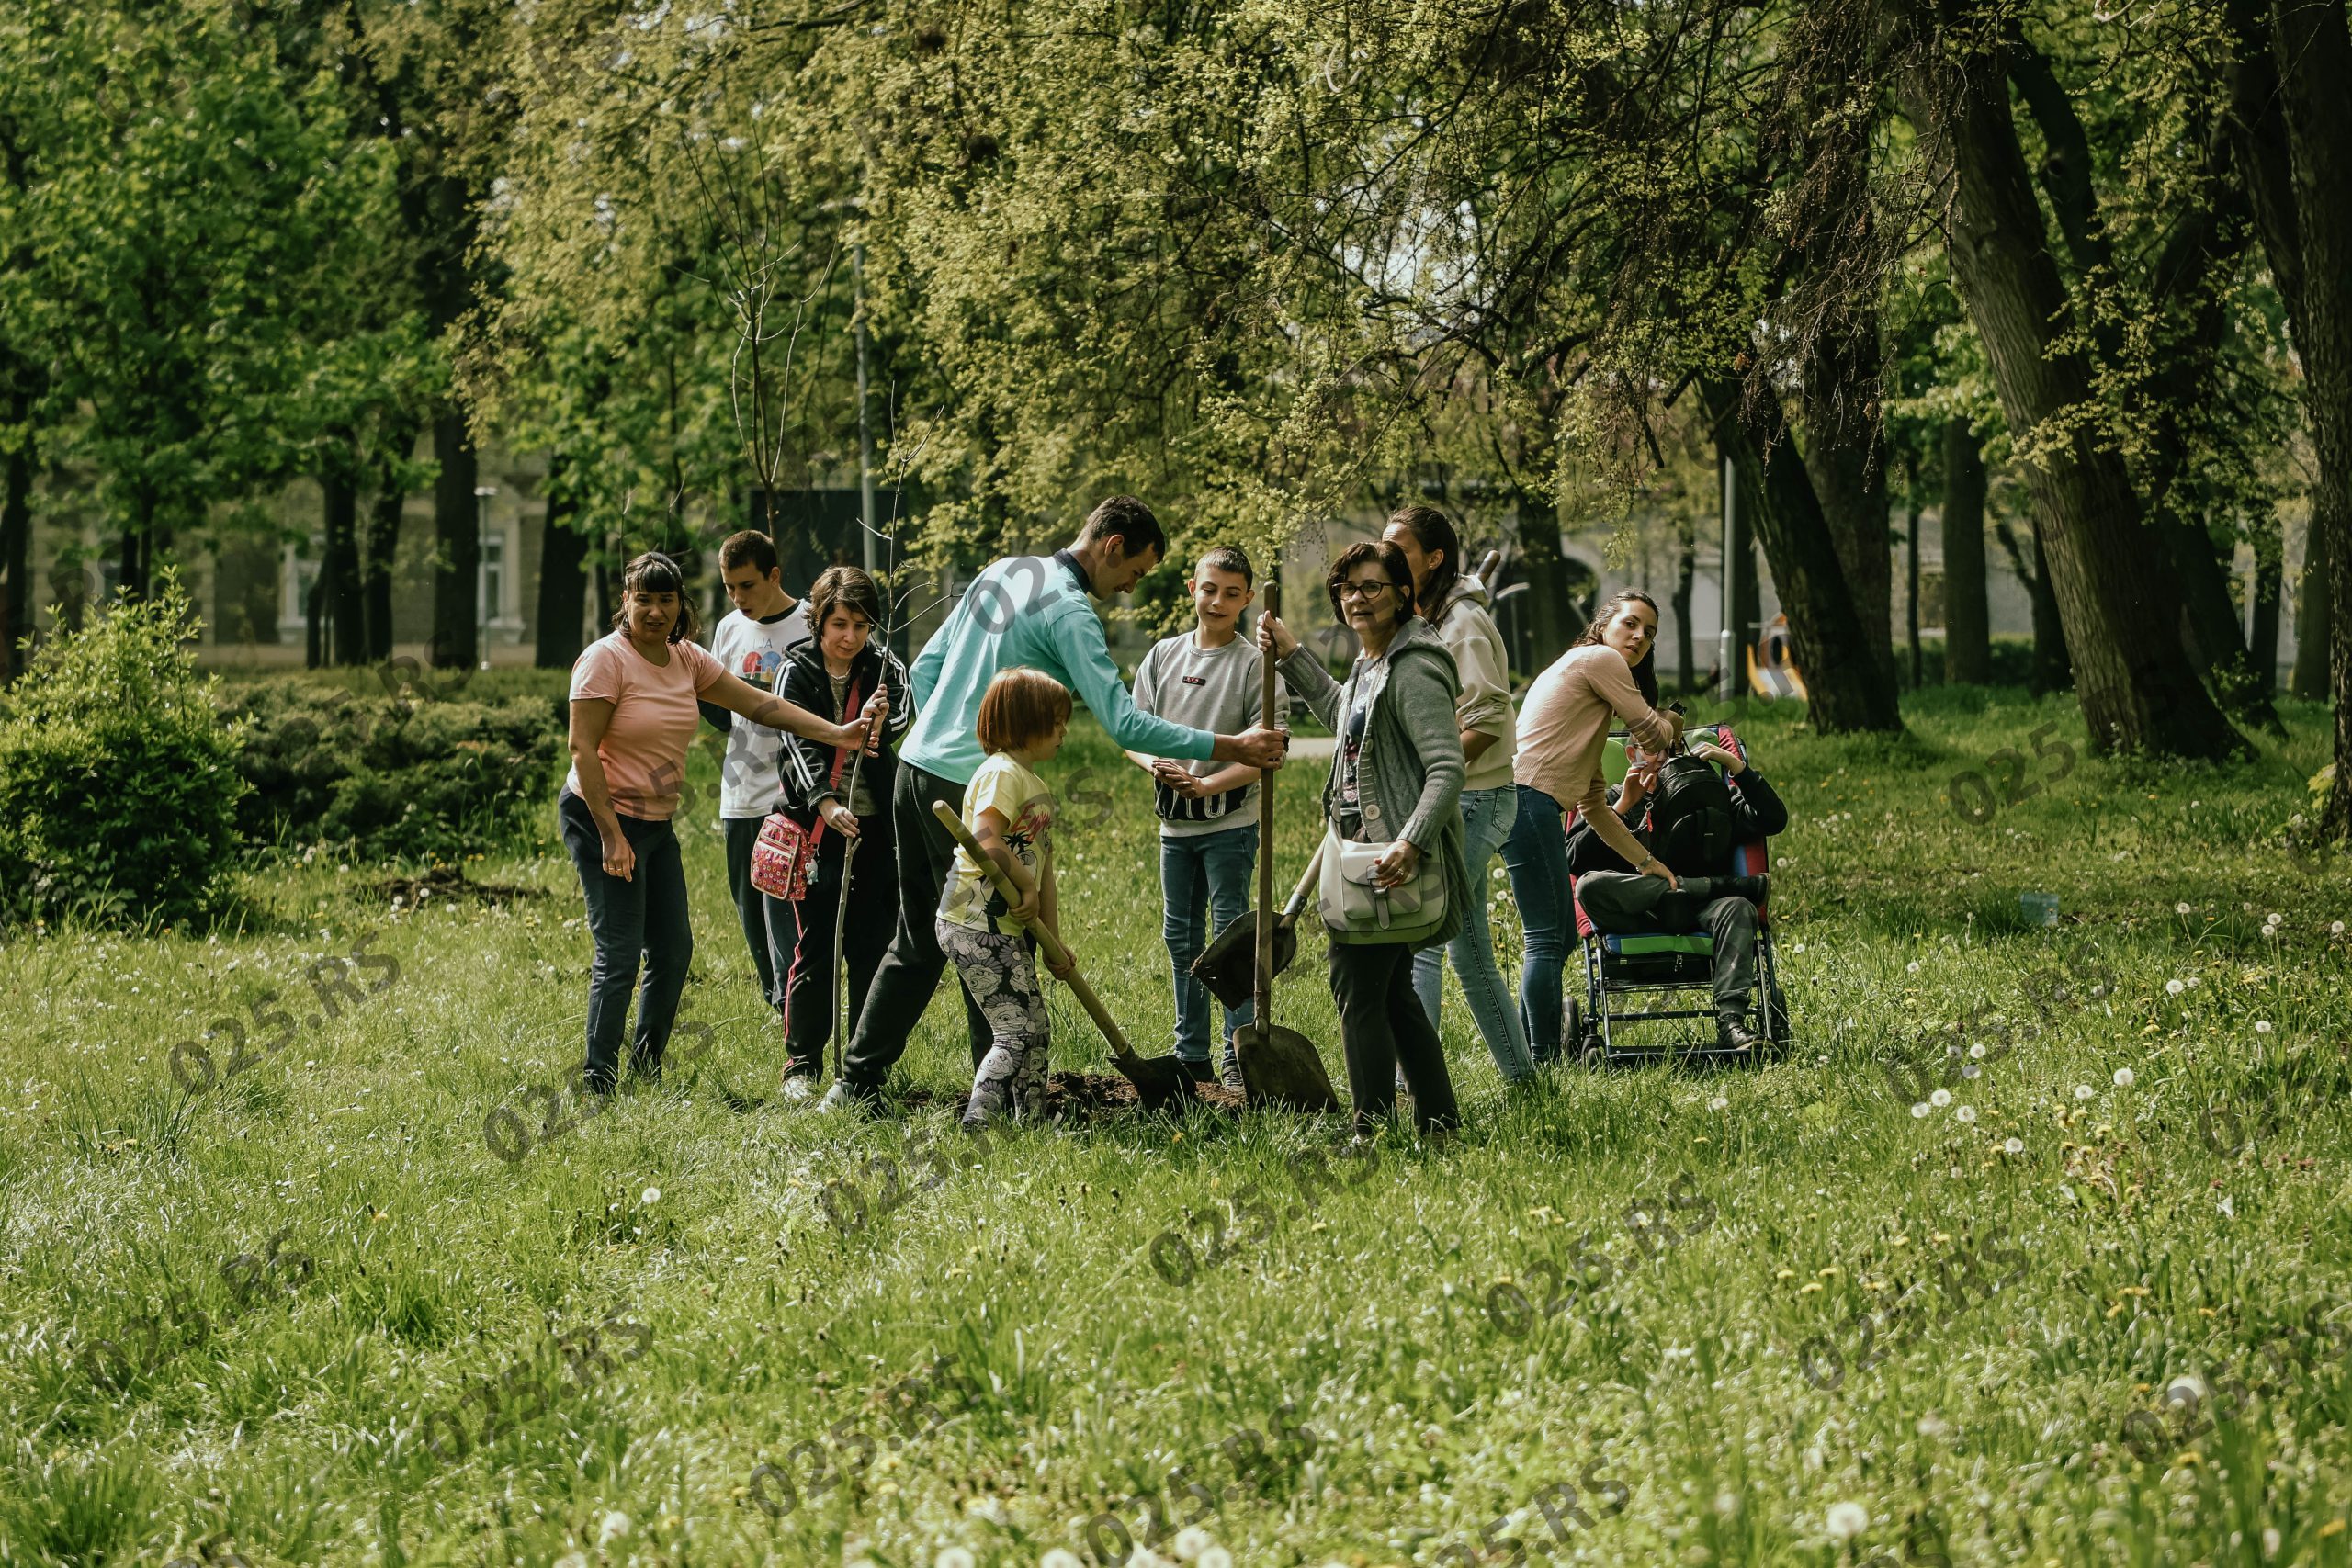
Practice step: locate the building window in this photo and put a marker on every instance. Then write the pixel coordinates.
(297, 570)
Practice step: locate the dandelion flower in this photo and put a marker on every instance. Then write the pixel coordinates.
(1058, 1558)
(1719, 1102)
(1848, 1521)
(2014, 1146)
(2336, 928)
(1940, 1099)
(616, 1525)
(1800, 946)
(2180, 908)
(1911, 967)
(1966, 1113)
(2123, 1078)
(2195, 981)
(2262, 1026)
(1726, 1502)
(2273, 918)
(1215, 1557)
(1191, 1541)
(1918, 1109)
(651, 1195)
(2174, 988)
(2083, 1091)
(953, 1556)
(1978, 1050)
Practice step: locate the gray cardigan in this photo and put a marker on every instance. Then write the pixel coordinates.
(1410, 772)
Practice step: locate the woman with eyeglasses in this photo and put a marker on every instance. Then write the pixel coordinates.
(1396, 779)
(633, 715)
(1562, 726)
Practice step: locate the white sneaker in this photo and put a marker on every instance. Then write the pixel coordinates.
(798, 1089)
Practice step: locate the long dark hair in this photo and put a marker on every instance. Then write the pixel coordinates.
(1434, 533)
(654, 572)
(1645, 673)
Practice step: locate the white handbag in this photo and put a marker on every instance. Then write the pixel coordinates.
(1354, 901)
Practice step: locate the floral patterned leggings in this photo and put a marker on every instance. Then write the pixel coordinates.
(1001, 975)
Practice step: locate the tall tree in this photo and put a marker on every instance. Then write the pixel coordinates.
(1968, 627)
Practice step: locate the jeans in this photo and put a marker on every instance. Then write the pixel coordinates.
(643, 916)
(1381, 1029)
(1211, 869)
(810, 985)
(1486, 818)
(1628, 904)
(1536, 853)
(910, 970)
(769, 926)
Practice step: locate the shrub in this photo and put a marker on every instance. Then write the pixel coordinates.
(392, 777)
(118, 786)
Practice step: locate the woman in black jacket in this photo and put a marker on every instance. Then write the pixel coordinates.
(833, 673)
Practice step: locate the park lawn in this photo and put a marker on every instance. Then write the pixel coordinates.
(1368, 1374)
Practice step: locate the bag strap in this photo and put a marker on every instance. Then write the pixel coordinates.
(841, 757)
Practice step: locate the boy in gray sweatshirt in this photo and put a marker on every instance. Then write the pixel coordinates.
(1207, 679)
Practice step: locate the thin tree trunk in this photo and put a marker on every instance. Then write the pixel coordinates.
(1848, 686)
(1968, 621)
(2053, 663)
(564, 586)
(2312, 621)
(16, 551)
(345, 642)
(1542, 612)
(1911, 595)
(456, 537)
(2136, 685)
(314, 630)
(378, 549)
(2262, 639)
(1685, 579)
(2313, 46)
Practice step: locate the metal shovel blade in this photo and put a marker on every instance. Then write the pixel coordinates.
(1229, 966)
(1281, 1067)
(1161, 1081)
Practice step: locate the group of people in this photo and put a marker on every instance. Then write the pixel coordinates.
(1432, 774)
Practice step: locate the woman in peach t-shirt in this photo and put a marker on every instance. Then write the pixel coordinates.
(1562, 726)
(633, 716)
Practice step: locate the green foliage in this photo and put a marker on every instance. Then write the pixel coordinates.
(392, 778)
(119, 788)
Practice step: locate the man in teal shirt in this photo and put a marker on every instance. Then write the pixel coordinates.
(1032, 611)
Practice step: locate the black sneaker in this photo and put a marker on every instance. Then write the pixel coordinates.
(1732, 1034)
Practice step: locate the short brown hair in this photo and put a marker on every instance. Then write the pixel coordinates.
(1227, 557)
(1392, 562)
(751, 547)
(843, 588)
(1131, 520)
(1022, 706)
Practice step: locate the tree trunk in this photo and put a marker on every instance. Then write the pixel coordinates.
(1911, 595)
(346, 640)
(379, 548)
(457, 537)
(1968, 621)
(2053, 664)
(2262, 637)
(16, 551)
(2312, 621)
(1686, 578)
(1848, 686)
(314, 630)
(1544, 613)
(2118, 606)
(564, 586)
(2313, 47)
(1845, 460)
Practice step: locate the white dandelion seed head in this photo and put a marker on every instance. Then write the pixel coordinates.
(2262, 1026)
(2174, 988)
(2180, 908)
(1215, 1557)
(1726, 1502)
(2195, 981)
(1059, 1558)
(953, 1556)
(1919, 1109)
(1970, 1070)
(2273, 918)
(1191, 1541)
(1966, 1113)
(1940, 1099)
(1911, 967)
(1978, 1050)
(1719, 1102)
(651, 1195)
(2336, 928)
(2187, 1389)
(2083, 1091)
(616, 1525)
(2014, 1146)
(2123, 1078)
(1848, 1521)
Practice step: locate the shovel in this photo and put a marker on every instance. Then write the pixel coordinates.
(1229, 966)
(1278, 1066)
(1161, 1081)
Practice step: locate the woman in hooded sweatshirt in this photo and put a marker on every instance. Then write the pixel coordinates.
(1455, 607)
(1396, 779)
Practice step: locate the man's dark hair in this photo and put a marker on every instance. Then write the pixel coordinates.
(751, 547)
(1227, 557)
(1131, 520)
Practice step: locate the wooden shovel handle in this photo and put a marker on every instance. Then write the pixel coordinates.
(1046, 938)
(1305, 882)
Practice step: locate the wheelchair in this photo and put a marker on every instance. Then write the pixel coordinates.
(1659, 965)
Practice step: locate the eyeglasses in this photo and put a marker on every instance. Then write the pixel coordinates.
(1364, 589)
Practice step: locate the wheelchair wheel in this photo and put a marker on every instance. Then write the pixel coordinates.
(1577, 1043)
(1776, 1022)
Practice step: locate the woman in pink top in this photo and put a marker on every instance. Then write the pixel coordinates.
(633, 716)
(1605, 679)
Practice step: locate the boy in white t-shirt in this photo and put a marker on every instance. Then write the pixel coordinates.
(750, 644)
(1209, 678)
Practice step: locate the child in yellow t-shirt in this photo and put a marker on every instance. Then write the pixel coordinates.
(1023, 717)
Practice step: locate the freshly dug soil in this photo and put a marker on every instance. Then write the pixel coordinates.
(449, 884)
(1082, 1097)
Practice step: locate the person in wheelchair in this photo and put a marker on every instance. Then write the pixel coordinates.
(1691, 818)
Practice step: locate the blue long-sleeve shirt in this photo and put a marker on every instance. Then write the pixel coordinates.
(1030, 610)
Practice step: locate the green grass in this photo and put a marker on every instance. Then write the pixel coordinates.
(2134, 1246)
